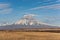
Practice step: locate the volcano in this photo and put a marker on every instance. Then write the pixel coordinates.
(30, 20)
(27, 21)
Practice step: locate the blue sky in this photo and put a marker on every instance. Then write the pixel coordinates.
(48, 11)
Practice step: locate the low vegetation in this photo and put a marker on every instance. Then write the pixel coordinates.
(29, 35)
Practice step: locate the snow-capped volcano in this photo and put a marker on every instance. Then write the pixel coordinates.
(29, 20)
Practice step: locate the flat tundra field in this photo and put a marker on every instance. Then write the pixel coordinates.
(4, 35)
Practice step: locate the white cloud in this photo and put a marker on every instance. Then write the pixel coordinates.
(6, 11)
(55, 6)
(5, 8)
(2, 5)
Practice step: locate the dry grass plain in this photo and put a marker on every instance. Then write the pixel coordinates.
(4, 35)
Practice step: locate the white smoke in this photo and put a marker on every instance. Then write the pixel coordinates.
(29, 15)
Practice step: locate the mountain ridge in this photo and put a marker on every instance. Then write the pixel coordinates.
(27, 21)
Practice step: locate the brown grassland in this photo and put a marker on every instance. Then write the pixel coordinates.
(18, 35)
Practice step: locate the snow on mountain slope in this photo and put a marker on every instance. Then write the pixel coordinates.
(29, 20)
